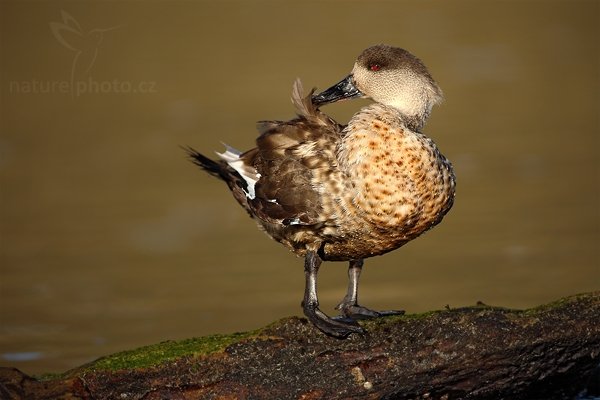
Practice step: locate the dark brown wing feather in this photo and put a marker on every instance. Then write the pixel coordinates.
(286, 157)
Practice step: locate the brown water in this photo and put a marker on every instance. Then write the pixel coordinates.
(110, 239)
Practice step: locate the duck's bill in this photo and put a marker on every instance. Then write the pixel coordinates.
(342, 90)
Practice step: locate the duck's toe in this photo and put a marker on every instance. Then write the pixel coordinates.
(355, 311)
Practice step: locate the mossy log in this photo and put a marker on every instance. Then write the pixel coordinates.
(479, 352)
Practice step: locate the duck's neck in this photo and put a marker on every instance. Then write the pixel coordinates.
(414, 104)
(414, 117)
(414, 120)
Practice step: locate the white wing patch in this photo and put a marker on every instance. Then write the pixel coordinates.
(232, 157)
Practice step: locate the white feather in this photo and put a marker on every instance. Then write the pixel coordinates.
(232, 157)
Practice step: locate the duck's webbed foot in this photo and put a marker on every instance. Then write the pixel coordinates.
(337, 328)
(349, 306)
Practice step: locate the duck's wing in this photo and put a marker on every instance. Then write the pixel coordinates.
(288, 162)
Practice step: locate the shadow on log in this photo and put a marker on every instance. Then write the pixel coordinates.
(480, 352)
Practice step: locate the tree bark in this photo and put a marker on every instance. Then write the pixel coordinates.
(479, 352)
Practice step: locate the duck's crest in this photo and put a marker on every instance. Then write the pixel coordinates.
(303, 104)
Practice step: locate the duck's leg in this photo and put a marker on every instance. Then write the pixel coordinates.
(349, 305)
(340, 329)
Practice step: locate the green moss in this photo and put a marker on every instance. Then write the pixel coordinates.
(149, 356)
(167, 351)
(419, 316)
(50, 376)
(592, 296)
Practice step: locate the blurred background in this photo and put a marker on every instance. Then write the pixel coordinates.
(110, 239)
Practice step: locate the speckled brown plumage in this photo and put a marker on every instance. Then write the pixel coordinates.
(329, 192)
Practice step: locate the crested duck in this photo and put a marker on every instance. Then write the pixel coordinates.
(330, 192)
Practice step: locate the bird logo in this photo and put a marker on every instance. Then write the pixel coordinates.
(85, 44)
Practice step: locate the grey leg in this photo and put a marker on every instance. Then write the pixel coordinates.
(340, 329)
(349, 305)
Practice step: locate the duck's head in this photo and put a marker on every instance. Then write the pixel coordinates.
(391, 76)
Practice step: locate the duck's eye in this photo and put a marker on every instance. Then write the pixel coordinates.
(374, 67)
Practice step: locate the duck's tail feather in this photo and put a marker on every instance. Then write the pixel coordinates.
(240, 178)
(211, 166)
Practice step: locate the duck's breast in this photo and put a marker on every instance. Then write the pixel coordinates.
(402, 182)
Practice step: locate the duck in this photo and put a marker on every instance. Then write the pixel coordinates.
(333, 192)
